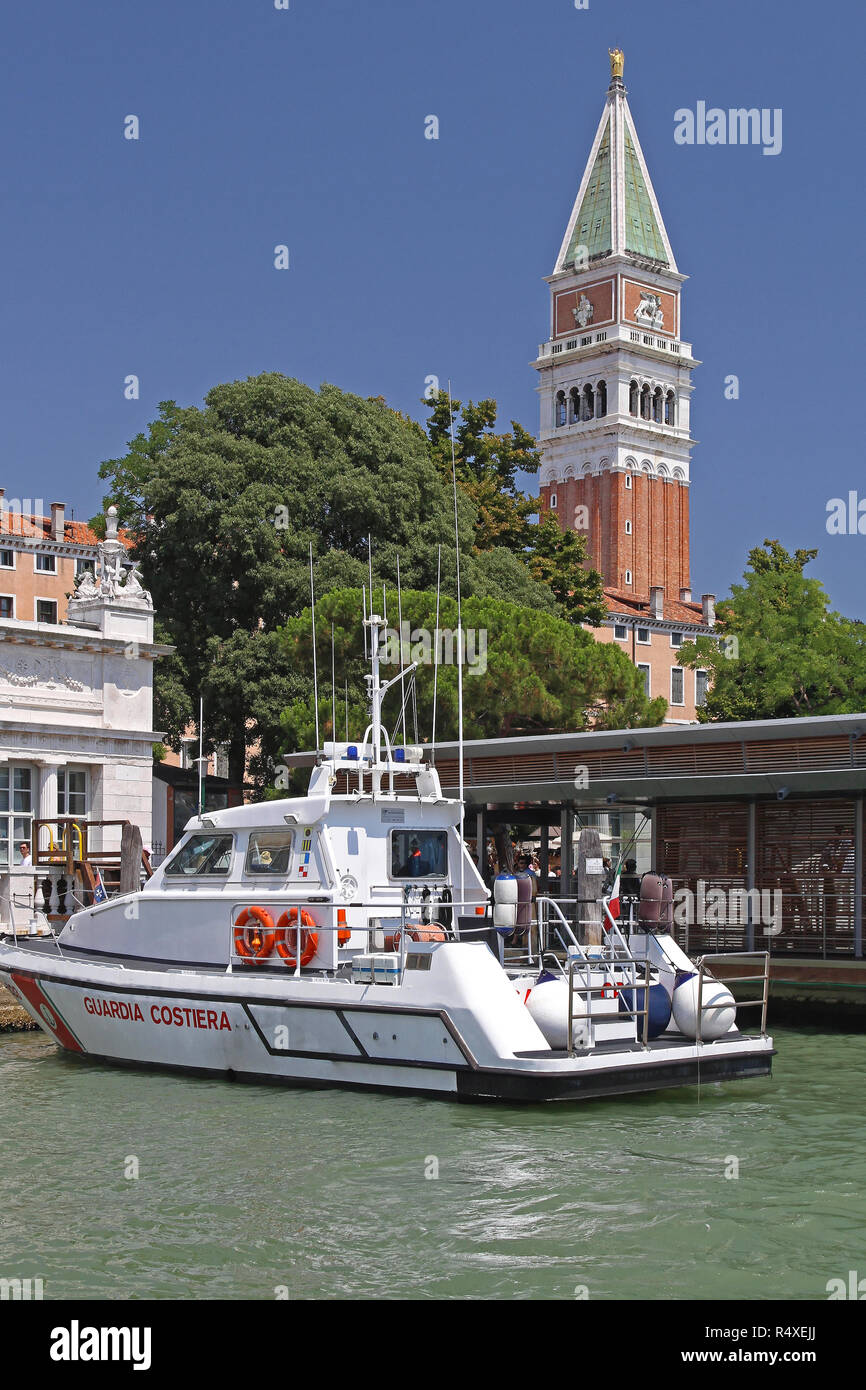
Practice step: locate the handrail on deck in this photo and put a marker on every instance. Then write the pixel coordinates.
(735, 979)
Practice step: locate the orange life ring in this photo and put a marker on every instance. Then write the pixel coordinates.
(255, 943)
(309, 939)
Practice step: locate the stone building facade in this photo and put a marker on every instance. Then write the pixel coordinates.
(76, 713)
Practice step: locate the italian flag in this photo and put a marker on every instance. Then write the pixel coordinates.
(613, 905)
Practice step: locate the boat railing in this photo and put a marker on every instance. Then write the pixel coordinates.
(586, 989)
(403, 918)
(763, 979)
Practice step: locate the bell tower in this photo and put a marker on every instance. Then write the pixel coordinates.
(615, 374)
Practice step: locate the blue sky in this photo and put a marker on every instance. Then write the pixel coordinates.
(412, 257)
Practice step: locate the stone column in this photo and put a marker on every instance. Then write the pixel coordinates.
(47, 811)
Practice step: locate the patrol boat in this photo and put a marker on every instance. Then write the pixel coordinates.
(345, 938)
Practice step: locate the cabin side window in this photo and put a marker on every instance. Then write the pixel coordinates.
(269, 852)
(202, 854)
(419, 854)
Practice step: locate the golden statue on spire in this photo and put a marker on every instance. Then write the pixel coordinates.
(617, 61)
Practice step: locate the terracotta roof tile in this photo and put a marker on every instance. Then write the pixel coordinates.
(634, 605)
(39, 527)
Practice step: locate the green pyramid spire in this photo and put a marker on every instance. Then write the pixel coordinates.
(616, 212)
(592, 228)
(642, 233)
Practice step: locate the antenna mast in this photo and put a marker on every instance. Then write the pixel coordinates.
(315, 668)
(333, 689)
(436, 656)
(459, 662)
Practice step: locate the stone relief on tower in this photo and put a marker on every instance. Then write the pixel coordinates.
(649, 313)
(584, 312)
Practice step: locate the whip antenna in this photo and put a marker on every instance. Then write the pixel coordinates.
(436, 656)
(333, 689)
(315, 668)
(459, 659)
(400, 629)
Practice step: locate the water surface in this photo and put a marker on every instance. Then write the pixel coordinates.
(244, 1190)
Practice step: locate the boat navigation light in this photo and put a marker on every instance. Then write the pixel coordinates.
(352, 752)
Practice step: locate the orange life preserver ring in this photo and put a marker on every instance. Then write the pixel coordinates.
(254, 943)
(309, 939)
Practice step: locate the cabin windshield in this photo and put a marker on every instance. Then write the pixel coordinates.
(419, 853)
(203, 854)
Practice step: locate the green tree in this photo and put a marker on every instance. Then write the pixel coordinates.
(487, 466)
(224, 502)
(778, 651)
(524, 672)
(557, 559)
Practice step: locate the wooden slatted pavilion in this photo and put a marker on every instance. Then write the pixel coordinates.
(773, 805)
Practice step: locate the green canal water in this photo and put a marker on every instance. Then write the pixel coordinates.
(244, 1190)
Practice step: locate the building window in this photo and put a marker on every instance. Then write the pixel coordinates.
(553, 499)
(628, 576)
(601, 399)
(628, 481)
(7, 606)
(676, 639)
(7, 559)
(71, 792)
(645, 403)
(628, 528)
(574, 405)
(46, 564)
(46, 610)
(620, 631)
(701, 684)
(670, 408)
(657, 405)
(187, 752)
(85, 567)
(16, 813)
(643, 636)
(559, 416)
(641, 666)
(677, 688)
(633, 397)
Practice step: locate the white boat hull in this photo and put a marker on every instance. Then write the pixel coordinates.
(243, 1025)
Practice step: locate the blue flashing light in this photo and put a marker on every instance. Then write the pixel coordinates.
(352, 752)
(399, 755)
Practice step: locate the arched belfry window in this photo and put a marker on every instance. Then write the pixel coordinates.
(645, 404)
(633, 398)
(588, 403)
(559, 415)
(601, 399)
(574, 404)
(670, 408)
(657, 405)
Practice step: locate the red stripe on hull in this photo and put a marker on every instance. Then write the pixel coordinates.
(47, 1012)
